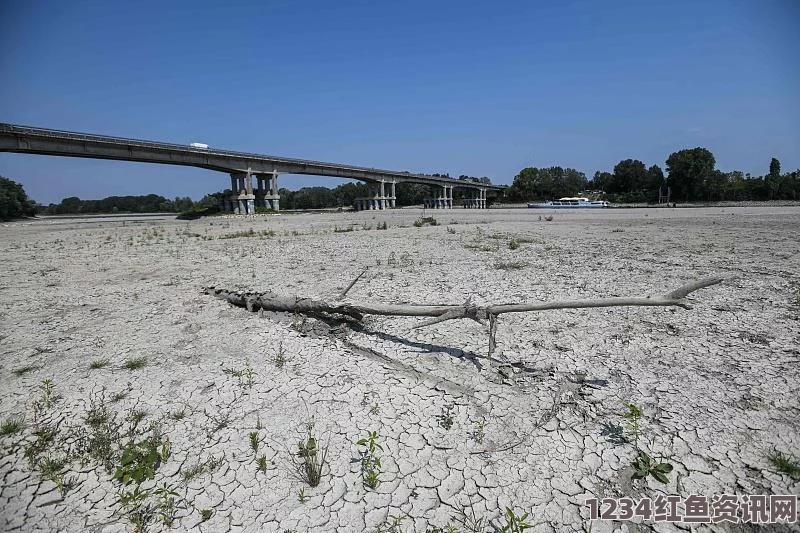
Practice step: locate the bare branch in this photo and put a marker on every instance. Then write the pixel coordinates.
(344, 292)
(441, 313)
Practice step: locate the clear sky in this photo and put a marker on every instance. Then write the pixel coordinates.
(477, 88)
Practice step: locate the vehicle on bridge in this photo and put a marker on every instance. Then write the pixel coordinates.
(202, 146)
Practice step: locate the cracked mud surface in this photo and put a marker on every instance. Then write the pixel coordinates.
(536, 428)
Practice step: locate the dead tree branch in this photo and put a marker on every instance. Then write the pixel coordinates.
(441, 313)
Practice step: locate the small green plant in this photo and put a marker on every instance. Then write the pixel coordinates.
(135, 363)
(103, 433)
(136, 416)
(254, 441)
(140, 460)
(479, 433)
(207, 466)
(370, 462)
(445, 419)
(785, 464)
(53, 470)
(633, 424)
(514, 523)
(135, 507)
(97, 364)
(178, 415)
(206, 514)
(451, 231)
(49, 396)
(244, 375)
(280, 358)
(645, 465)
(301, 495)
(311, 460)
(513, 244)
(382, 225)
(165, 505)
(11, 426)
(44, 439)
(21, 371)
(262, 463)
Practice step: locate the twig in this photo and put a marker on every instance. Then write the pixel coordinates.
(344, 292)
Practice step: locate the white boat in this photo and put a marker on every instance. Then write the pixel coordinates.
(577, 202)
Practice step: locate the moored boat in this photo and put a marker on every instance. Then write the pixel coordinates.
(577, 202)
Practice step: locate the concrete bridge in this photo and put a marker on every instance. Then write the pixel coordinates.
(242, 168)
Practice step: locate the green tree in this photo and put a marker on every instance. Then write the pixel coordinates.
(774, 168)
(14, 203)
(690, 172)
(544, 183)
(655, 180)
(629, 175)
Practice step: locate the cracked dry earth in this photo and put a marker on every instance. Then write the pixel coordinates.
(535, 428)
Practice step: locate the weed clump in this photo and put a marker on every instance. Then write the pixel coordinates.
(11, 426)
(785, 464)
(311, 460)
(425, 221)
(135, 363)
(370, 461)
(99, 363)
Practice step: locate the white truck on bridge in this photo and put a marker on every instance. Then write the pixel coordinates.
(199, 145)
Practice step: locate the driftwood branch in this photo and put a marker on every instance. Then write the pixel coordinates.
(441, 313)
(274, 302)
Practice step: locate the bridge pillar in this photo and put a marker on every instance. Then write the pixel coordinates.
(393, 198)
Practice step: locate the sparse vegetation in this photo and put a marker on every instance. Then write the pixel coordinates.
(425, 221)
(785, 464)
(135, 363)
(262, 463)
(21, 371)
(52, 469)
(97, 364)
(206, 467)
(514, 523)
(370, 461)
(140, 460)
(643, 463)
(513, 244)
(206, 514)
(311, 460)
(445, 419)
(479, 433)
(244, 375)
(11, 426)
(510, 265)
(254, 441)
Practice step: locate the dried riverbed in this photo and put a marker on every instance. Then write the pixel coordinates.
(538, 428)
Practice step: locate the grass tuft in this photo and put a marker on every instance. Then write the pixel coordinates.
(135, 363)
(11, 426)
(99, 363)
(785, 464)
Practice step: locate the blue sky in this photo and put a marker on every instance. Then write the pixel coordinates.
(478, 88)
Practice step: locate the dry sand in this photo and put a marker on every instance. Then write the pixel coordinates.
(718, 384)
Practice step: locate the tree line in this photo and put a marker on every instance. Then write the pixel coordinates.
(150, 203)
(691, 176)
